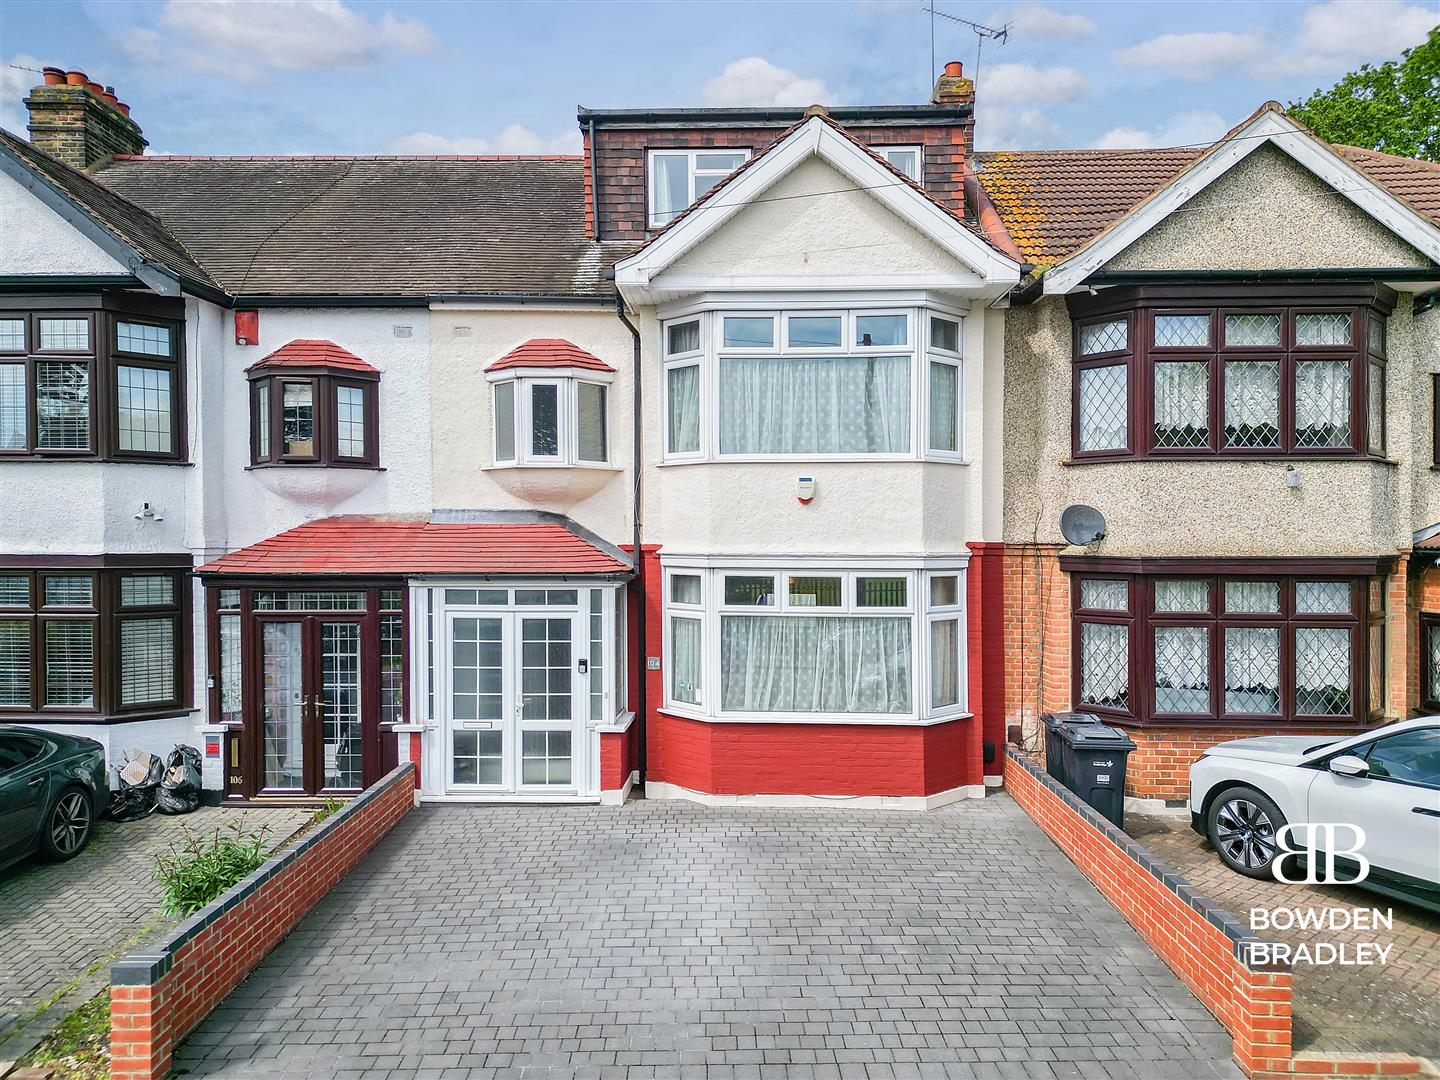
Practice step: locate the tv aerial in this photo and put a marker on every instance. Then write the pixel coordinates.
(999, 35)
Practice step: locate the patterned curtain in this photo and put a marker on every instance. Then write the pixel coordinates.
(829, 405)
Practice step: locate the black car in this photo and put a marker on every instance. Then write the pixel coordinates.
(52, 790)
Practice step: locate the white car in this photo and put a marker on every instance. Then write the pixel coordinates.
(1386, 781)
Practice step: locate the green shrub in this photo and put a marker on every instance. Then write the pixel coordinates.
(198, 868)
(328, 807)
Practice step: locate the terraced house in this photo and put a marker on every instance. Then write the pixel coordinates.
(727, 456)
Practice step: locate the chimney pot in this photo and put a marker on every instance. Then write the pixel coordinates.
(75, 78)
(124, 109)
(80, 122)
(93, 87)
(54, 76)
(954, 69)
(107, 95)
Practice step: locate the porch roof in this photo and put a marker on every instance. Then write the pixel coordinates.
(407, 547)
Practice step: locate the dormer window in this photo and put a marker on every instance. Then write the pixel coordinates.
(551, 405)
(679, 177)
(905, 158)
(314, 403)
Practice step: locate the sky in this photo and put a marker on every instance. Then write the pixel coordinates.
(419, 76)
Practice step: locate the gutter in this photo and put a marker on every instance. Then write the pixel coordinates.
(1329, 273)
(262, 300)
(867, 115)
(639, 580)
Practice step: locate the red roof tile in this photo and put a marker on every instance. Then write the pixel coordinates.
(549, 353)
(314, 352)
(401, 547)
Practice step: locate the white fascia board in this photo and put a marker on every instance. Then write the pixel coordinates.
(509, 374)
(1268, 129)
(816, 138)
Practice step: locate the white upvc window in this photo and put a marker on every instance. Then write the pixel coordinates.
(908, 159)
(679, 177)
(818, 641)
(820, 383)
(546, 419)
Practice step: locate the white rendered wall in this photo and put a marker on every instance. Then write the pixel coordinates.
(35, 240)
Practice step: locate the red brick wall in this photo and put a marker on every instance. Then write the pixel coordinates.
(617, 757)
(1160, 766)
(1037, 635)
(985, 578)
(190, 972)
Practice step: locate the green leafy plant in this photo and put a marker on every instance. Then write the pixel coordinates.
(328, 807)
(198, 868)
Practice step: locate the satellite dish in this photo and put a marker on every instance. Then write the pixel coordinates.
(1082, 525)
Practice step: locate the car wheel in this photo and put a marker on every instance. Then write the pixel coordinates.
(1242, 824)
(68, 828)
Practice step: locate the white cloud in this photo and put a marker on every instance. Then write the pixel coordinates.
(1023, 84)
(1026, 129)
(1371, 30)
(241, 40)
(1195, 57)
(515, 139)
(15, 86)
(1195, 128)
(1037, 20)
(756, 81)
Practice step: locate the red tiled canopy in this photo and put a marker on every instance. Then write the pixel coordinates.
(549, 353)
(397, 547)
(314, 352)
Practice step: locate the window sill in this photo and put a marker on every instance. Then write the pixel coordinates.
(839, 720)
(801, 459)
(587, 465)
(1215, 459)
(87, 459)
(618, 726)
(353, 466)
(97, 719)
(1246, 724)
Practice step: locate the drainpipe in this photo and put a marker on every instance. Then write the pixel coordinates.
(988, 216)
(636, 437)
(595, 185)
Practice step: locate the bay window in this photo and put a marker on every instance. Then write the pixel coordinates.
(813, 384)
(315, 416)
(1187, 644)
(1226, 372)
(815, 642)
(560, 420)
(679, 177)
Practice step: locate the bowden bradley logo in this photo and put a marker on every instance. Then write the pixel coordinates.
(1317, 840)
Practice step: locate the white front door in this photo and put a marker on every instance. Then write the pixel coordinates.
(511, 703)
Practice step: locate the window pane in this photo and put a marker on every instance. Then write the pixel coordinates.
(75, 590)
(1330, 328)
(1113, 336)
(144, 401)
(229, 598)
(1375, 408)
(477, 673)
(1254, 330)
(880, 592)
(1323, 597)
(815, 592)
(1252, 403)
(1432, 632)
(12, 335)
(14, 662)
(545, 757)
(62, 393)
(1182, 595)
(944, 663)
(815, 332)
(1252, 669)
(1182, 405)
(392, 669)
(685, 660)
(1104, 408)
(310, 601)
(685, 588)
(944, 590)
(1252, 596)
(505, 421)
(229, 674)
(262, 422)
(593, 434)
(670, 185)
(749, 333)
(944, 334)
(64, 334)
(477, 596)
(1182, 331)
(1182, 669)
(1105, 665)
(1413, 756)
(1322, 403)
(944, 413)
(350, 421)
(683, 391)
(880, 329)
(298, 419)
(907, 161)
(14, 590)
(545, 420)
(1101, 594)
(597, 657)
(723, 161)
(13, 421)
(147, 661)
(1322, 671)
(851, 404)
(1375, 334)
(140, 338)
(70, 664)
(814, 664)
(146, 590)
(682, 337)
(741, 590)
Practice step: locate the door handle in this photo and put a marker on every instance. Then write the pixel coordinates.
(36, 781)
(1425, 810)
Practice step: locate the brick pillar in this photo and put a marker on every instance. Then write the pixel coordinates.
(986, 603)
(1401, 647)
(1037, 636)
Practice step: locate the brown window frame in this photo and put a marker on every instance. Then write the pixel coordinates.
(103, 357)
(324, 383)
(1141, 305)
(1429, 621)
(105, 614)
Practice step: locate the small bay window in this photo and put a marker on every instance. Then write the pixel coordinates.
(313, 403)
(545, 420)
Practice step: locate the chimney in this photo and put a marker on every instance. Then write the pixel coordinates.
(952, 88)
(79, 122)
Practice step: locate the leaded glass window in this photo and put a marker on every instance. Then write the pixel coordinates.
(1104, 594)
(1375, 409)
(1103, 337)
(1432, 654)
(1256, 331)
(1252, 403)
(1252, 596)
(1182, 331)
(1327, 328)
(142, 338)
(1182, 669)
(1182, 595)
(1323, 597)
(1252, 669)
(144, 400)
(67, 335)
(1322, 671)
(1322, 403)
(1105, 665)
(1104, 408)
(12, 335)
(1182, 405)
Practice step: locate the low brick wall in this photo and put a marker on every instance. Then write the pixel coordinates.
(157, 997)
(1199, 941)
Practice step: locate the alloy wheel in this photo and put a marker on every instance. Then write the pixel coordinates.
(1245, 833)
(70, 824)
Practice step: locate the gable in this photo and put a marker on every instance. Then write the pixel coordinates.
(39, 241)
(812, 222)
(1268, 212)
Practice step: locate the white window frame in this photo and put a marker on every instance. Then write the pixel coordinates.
(567, 381)
(692, 174)
(917, 573)
(713, 350)
(885, 151)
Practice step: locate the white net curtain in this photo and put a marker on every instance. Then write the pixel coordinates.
(815, 664)
(835, 405)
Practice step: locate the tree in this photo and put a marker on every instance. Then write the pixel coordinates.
(1394, 108)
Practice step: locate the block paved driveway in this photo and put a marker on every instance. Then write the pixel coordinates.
(666, 939)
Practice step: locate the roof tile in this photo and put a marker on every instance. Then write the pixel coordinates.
(549, 353)
(313, 352)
